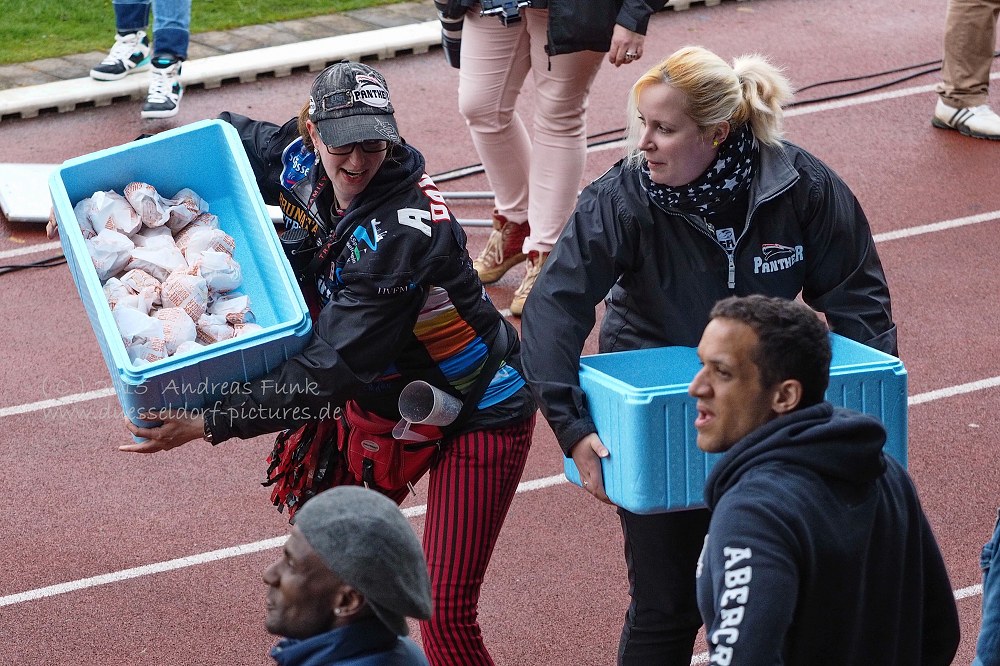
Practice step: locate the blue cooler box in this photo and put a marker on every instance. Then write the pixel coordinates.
(644, 415)
(207, 157)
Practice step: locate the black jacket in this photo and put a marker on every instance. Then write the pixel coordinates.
(400, 298)
(819, 553)
(578, 25)
(662, 273)
(587, 25)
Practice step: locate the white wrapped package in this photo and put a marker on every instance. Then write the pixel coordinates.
(183, 290)
(247, 328)
(151, 237)
(187, 347)
(110, 251)
(194, 239)
(141, 301)
(221, 271)
(111, 211)
(158, 260)
(185, 206)
(178, 328)
(213, 328)
(137, 280)
(144, 198)
(114, 291)
(234, 307)
(206, 220)
(83, 210)
(142, 335)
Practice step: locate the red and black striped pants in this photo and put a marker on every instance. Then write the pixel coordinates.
(472, 484)
(471, 487)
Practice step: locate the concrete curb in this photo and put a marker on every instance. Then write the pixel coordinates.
(212, 72)
(242, 54)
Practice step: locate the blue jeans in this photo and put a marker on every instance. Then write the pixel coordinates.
(988, 645)
(171, 23)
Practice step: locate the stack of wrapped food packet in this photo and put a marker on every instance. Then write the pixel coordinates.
(167, 270)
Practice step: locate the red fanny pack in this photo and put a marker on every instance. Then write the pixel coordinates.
(377, 459)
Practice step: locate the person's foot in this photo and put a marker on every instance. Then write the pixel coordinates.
(129, 54)
(534, 266)
(979, 122)
(165, 89)
(503, 249)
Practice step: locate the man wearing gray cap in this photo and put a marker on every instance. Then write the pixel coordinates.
(351, 572)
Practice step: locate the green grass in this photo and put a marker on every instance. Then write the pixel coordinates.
(35, 29)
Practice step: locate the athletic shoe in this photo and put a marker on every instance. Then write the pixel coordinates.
(535, 262)
(165, 89)
(129, 54)
(503, 249)
(976, 121)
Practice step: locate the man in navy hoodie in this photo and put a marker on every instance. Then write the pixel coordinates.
(818, 551)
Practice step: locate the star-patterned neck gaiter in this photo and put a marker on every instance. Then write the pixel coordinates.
(729, 175)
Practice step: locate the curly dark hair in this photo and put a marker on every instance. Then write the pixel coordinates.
(793, 343)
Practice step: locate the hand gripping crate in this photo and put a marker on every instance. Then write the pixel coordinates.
(644, 415)
(207, 157)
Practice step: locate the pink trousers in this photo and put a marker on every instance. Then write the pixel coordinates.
(534, 177)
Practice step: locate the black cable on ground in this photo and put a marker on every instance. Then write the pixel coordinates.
(42, 263)
(472, 169)
(852, 93)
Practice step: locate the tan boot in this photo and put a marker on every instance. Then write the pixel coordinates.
(535, 262)
(503, 249)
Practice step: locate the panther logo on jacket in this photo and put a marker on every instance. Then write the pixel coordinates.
(776, 257)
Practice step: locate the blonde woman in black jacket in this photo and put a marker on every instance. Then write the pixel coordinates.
(708, 203)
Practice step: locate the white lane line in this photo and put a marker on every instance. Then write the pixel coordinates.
(44, 247)
(947, 392)
(951, 391)
(806, 109)
(866, 99)
(56, 402)
(136, 572)
(212, 556)
(937, 226)
(966, 592)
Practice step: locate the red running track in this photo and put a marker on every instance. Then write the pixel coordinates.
(75, 508)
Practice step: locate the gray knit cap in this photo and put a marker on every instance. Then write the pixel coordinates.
(363, 537)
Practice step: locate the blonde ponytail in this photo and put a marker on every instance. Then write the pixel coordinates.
(765, 90)
(750, 91)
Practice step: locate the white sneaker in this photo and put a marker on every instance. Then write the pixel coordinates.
(165, 89)
(130, 54)
(976, 121)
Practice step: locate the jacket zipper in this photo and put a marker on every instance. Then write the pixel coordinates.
(731, 254)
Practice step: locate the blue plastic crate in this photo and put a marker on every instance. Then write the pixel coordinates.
(644, 415)
(207, 157)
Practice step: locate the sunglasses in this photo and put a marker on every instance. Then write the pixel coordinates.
(367, 146)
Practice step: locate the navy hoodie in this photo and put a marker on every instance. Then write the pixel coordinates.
(818, 551)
